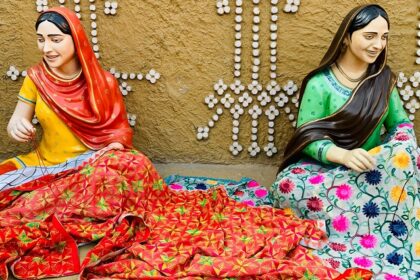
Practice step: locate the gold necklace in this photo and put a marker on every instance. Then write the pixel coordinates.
(347, 77)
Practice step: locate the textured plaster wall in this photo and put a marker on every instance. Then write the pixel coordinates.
(192, 47)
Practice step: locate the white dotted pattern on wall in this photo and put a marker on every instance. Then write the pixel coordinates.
(266, 101)
(109, 8)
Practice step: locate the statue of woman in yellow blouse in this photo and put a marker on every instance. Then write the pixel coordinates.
(77, 103)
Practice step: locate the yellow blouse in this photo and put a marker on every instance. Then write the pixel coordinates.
(58, 142)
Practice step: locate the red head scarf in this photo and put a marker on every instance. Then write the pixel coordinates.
(91, 104)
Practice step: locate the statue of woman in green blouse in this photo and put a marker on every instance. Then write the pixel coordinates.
(339, 169)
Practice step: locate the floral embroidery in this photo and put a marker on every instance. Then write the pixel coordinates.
(286, 186)
(373, 217)
(363, 262)
(316, 179)
(314, 204)
(368, 241)
(371, 209)
(341, 223)
(343, 192)
(398, 194)
(401, 160)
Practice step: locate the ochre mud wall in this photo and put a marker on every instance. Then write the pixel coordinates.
(192, 47)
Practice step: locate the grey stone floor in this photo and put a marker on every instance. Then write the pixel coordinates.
(264, 174)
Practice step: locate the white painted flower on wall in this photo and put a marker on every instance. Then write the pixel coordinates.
(210, 101)
(254, 87)
(281, 99)
(220, 87)
(222, 7)
(245, 99)
(237, 87)
(290, 88)
(264, 98)
(227, 100)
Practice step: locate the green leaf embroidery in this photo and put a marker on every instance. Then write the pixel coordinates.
(138, 186)
(67, 195)
(102, 204)
(181, 210)
(218, 217)
(122, 187)
(262, 230)
(203, 202)
(150, 272)
(194, 232)
(205, 260)
(158, 185)
(87, 170)
(167, 259)
(24, 238)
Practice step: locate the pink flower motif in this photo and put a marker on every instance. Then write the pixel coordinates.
(368, 241)
(409, 125)
(175, 187)
(341, 223)
(344, 192)
(334, 263)
(418, 162)
(338, 247)
(318, 179)
(392, 277)
(253, 184)
(298, 170)
(249, 202)
(286, 186)
(363, 262)
(261, 193)
(401, 136)
(314, 204)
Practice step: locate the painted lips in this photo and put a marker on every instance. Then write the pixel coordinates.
(51, 57)
(370, 53)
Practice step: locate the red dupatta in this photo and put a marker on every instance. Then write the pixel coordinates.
(91, 104)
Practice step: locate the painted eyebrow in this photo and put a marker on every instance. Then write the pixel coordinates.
(50, 35)
(376, 33)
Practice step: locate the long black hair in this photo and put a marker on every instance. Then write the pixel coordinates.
(55, 18)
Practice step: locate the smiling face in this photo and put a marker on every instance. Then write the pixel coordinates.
(367, 43)
(57, 49)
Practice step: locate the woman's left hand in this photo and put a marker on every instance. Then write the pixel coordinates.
(115, 146)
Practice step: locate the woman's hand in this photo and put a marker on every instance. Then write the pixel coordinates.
(357, 159)
(20, 127)
(21, 130)
(115, 146)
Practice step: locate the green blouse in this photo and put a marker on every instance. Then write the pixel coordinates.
(324, 95)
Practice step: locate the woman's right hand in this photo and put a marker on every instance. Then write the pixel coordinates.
(21, 130)
(358, 159)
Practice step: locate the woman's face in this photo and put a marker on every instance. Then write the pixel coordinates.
(367, 43)
(57, 48)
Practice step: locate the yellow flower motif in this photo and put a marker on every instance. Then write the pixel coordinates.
(375, 150)
(417, 248)
(398, 194)
(401, 160)
(211, 182)
(418, 214)
(288, 211)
